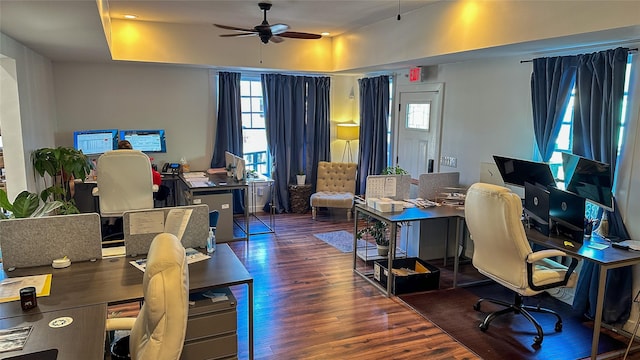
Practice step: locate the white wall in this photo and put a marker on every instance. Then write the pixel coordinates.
(31, 124)
(140, 96)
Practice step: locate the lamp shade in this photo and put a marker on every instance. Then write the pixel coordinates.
(348, 132)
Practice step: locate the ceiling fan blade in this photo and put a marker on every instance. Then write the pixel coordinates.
(299, 35)
(234, 28)
(279, 28)
(239, 35)
(276, 39)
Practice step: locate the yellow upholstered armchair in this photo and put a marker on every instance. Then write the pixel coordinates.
(335, 187)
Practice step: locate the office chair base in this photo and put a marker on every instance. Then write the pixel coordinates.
(517, 307)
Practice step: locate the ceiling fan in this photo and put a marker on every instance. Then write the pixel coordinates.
(274, 33)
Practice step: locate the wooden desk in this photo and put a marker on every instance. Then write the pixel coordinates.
(409, 214)
(113, 281)
(88, 325)
(609, 258)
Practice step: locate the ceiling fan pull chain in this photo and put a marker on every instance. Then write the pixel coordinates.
(398, 10)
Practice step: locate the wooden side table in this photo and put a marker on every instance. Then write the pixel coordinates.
(299, 198)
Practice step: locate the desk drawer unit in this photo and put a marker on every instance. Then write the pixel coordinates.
(211, 328)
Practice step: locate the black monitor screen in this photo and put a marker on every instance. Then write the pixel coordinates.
(517, 172)
(95, 142)
(588, 178)
(145, 140)
(566, 208)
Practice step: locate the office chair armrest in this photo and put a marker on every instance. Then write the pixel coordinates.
(567, 275)
(120, 323)
(95, 191)
(543, 254)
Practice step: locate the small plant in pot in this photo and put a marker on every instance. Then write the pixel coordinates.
(301, 177)
(379, 231)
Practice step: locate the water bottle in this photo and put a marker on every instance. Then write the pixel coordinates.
(211, 241)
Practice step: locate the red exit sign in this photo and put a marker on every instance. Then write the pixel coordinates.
(415, 74)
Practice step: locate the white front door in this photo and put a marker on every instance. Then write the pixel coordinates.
(419, 128)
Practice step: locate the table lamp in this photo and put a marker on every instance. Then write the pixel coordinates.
(348, 132)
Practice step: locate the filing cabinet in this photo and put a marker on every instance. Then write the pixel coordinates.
(211, 328)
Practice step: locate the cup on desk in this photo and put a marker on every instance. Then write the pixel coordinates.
(28, 298)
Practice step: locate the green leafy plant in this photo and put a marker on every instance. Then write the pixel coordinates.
(62, 165)
(25, 205)
(378, 230)
(301, 172)
(394, 170)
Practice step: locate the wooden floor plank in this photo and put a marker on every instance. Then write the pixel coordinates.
(308, 304)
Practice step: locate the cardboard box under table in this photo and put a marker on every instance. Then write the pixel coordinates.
(411, 275)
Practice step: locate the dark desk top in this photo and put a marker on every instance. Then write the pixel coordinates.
(609, 256)
(415, 213)
(88, 324)
(114, 280)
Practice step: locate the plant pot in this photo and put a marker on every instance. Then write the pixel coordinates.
(383, 250)
(301, 179)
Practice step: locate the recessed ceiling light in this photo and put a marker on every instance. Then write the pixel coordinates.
(325, 33)
(128, 16)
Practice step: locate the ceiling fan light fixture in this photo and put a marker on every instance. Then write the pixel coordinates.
(267, 32)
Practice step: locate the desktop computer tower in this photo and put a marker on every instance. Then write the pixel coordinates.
(536, 207)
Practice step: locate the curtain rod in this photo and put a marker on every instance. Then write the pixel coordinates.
(526, 61)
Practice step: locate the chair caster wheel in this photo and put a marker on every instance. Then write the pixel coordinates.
(558, 326)
(476, 307)
(483, 327)
(537, 341)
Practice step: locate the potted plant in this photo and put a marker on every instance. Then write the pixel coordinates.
(62, 165)
(394, 170)
(301, 178)
(379, 231)
(25, 205)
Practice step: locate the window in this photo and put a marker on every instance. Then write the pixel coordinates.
(564, 142)
(254, 134)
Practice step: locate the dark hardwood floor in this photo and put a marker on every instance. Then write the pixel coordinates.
(308, 304)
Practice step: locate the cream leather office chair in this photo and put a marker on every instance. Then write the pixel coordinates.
(335, 187)
(502, 252)
(125, 182)
(159, 330)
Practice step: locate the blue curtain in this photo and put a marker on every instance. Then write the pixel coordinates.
(551, 82)
(229, 129)
(296, 108)
(596, 125)
(374, 112)
(318, 125)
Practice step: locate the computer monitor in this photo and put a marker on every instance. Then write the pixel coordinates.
(95, 142)
(589, 179)
(517, 172)
(145, 140)
(566, 209)
(536, 207)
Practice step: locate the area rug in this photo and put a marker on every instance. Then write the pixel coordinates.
(508, 336)
(341, 240)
